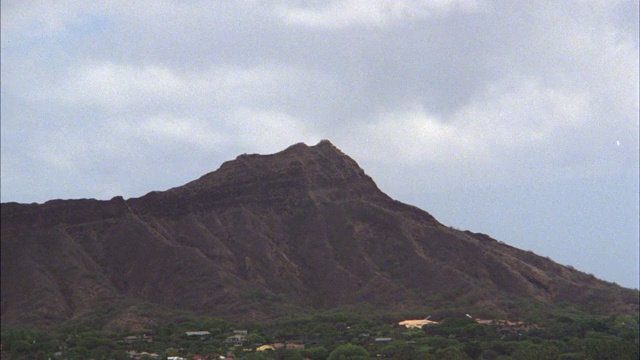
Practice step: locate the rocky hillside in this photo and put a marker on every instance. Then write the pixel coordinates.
(265, 235)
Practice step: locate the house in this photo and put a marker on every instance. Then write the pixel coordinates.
(294, 346)
(206, 357)
(198, 333)
(484, 321)
(237, 339)
(213, 356)
(139, 355)
(136, 338)
(417, 324)
(504, 325)
(383, 339)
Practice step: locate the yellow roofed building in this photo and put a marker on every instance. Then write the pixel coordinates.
(265, 347)
(418, 324)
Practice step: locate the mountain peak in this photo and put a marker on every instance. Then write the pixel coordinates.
(319, 167)
(303, 150)
(324, 143)
(320, 171)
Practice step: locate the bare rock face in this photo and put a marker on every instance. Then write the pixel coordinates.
(262, 236)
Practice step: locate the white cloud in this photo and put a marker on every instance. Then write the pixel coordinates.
(29, 19)
(414, 136)
(269, 131)
(128, 88)
(341, 14)
(519, 130)
(164, 129)
(118, 86)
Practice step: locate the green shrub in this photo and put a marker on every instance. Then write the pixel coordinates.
(349, 352)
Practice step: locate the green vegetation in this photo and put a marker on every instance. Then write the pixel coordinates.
(333, 335)
(349, 352)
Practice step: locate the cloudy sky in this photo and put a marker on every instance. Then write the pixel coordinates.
(514, 118)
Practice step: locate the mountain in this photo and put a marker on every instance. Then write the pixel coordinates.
(264, 236)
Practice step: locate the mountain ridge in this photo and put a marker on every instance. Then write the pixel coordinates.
(265, 235)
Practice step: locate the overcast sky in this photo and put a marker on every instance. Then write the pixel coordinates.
(518, 119)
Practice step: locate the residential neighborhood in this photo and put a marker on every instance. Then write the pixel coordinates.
(319, 336)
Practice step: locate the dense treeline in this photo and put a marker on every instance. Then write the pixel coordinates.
(340, 336)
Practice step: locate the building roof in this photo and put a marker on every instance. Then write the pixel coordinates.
(265, 347)
(383, 339)
(417, 323)
(198, 333)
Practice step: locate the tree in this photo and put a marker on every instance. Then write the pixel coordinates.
(172, 352)
(450, 353)
(292, 355)
(472, 349)
(79, 353)
(611, 349)
(349, 352)
(257, 355)
(254, 338)
(316, 353)
(534, 352)
(398, 350)
(120, 355)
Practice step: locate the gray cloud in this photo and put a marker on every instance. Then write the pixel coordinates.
(420, 79)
